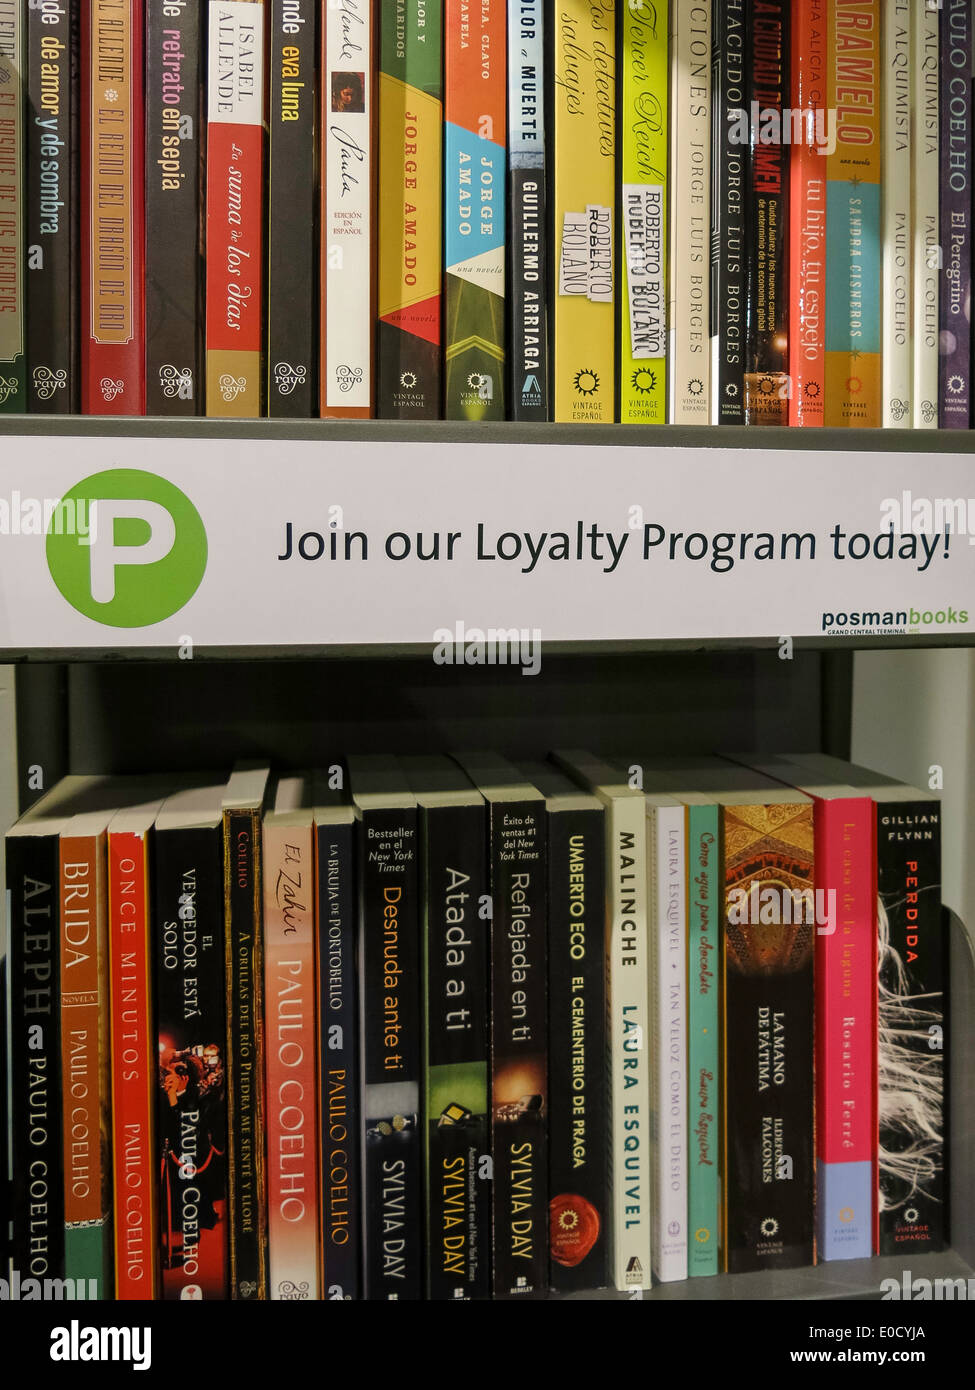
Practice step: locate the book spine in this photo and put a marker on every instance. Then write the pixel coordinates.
(37, 1185)
(767, 385)
(347, 386)
(191, 1091)
(584, 197)
(134, 1066)
(85, 1101)
(667, 847)
(807, 219)
(392, 1058)
(579, 1218)
(289, 1003)
(925, 186)
(703, 1034)
(688, 306)
(898, 387)
(527, 201)
(13, 326)
(853, 217)
(174, 276)
(246, 1152)
(846, 1013)
(519, 1050)
(292, 260)
(955, 211)
(410, 376)
(455, 979)
(768, 1038)
(234, 208)
(52, 287)
(911, 1021)
(113, 309)
(475, 88)
(629, 1031)
(643, 174)
(340, 1116)
(729, 175)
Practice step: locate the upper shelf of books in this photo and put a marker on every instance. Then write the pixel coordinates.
(686, 213)
(476, 544)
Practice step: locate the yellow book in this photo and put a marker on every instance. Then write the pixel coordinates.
(585, 193)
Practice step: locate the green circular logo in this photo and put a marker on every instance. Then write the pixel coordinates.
(126, 548)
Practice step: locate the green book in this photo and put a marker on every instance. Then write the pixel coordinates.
(643, 78)
(703, 1024)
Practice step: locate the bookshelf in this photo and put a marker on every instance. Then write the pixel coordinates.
(84, 697)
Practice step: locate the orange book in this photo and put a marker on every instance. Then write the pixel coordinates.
(133, 1054)
(85, 1091)
(807, 224)
(289, 1033)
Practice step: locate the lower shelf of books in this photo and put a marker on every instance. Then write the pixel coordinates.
(451, 1028)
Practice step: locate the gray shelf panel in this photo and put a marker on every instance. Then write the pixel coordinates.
(551, 435)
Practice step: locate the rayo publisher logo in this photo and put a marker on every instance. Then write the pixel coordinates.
(77, 1343)
(145, 559)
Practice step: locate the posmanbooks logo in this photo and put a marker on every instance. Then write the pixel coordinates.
(144, 559)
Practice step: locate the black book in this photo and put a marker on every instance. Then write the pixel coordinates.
(191, 1012)
(389, 946)
(53, 289)
(174, 203)
(767, 216)
(455, 945)
(527, 347)
(578, 1094)
(911, 1022)
(292, 242)
(243, 806)
(33, 850)
(340, 1114)
(519, 1024)
(729, 174)
(768, 1170)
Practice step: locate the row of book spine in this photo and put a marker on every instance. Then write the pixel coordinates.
(467, 1029)
(754, 212)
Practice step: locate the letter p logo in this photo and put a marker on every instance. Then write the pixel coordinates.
(144, 559)
(106, 555)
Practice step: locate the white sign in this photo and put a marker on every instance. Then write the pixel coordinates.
(109, 542)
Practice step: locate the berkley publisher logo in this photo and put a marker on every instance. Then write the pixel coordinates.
(145, 560)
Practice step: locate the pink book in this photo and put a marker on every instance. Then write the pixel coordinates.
(289, 1036)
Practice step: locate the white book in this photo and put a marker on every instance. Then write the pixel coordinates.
(898, 327)
(667, 904)
(926, 190)
(689, 255)
(628, 1013)
(348, 301)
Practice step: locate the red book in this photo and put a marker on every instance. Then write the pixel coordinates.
(113, 356)
(807, 226)
(235, 208)
(134, 1054)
